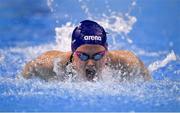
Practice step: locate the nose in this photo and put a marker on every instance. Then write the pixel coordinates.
(90, 63)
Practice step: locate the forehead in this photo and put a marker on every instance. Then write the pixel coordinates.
(90, 48)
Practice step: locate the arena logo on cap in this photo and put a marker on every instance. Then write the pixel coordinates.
(93, 37)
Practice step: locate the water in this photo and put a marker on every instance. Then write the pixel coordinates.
(143, 27)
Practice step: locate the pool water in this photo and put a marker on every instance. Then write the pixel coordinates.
(150, 29)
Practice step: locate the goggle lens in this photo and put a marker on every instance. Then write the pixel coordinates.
(85, 57)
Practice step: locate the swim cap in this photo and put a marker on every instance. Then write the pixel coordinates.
(88, 32)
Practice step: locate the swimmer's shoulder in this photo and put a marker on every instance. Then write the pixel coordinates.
(123, 56)
(43, 65)
(129, 60)
(49, 56)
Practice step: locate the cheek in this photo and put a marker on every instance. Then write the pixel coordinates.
(101, 64)
(78, 63)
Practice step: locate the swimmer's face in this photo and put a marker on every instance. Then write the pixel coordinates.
(89, 60)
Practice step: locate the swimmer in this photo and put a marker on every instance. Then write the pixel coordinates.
(88, 57)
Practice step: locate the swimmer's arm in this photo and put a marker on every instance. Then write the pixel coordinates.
(38, 68)
(130, 62)
(43, 65)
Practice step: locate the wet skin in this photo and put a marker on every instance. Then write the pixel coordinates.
(89, 70)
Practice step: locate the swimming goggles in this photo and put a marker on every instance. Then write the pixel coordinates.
(85, 57)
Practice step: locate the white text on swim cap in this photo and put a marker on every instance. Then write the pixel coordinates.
(92, 38)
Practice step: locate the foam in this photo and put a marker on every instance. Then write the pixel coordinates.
(140, 91)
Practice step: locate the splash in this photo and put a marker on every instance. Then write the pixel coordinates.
(1, 57)
(159, 64)
(63, 36)
(49, 4)
(115, 23)
(156, 92)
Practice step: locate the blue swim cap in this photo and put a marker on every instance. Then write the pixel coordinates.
(88, 32)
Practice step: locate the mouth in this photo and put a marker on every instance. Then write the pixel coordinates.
(90, 74)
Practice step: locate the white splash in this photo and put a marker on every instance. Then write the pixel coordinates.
(89, 91)
(1, 57)
(85, 8)
(117, 23)
(159, 64)
(49, 4)
(63, 36)
(114, 23)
